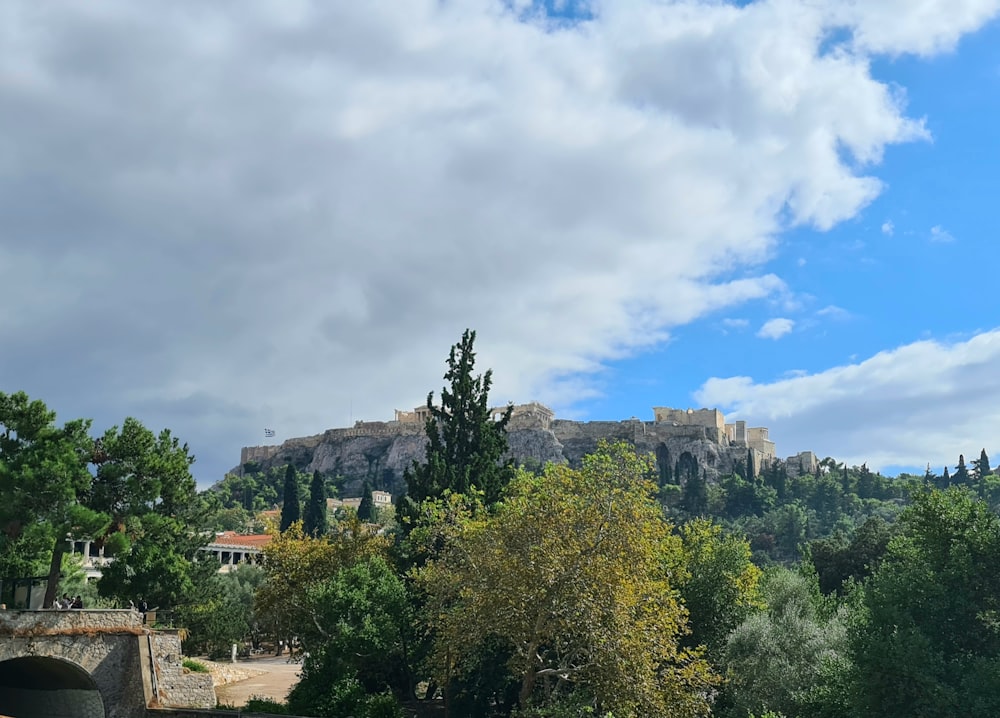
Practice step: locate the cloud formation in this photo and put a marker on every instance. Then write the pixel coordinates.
(225, 217)
(924, 402)
(775, 328)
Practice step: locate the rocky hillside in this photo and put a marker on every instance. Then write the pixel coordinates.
(379, 452)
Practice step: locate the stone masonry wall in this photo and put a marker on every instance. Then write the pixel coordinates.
(174, 687)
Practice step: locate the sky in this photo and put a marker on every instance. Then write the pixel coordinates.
(225, 217)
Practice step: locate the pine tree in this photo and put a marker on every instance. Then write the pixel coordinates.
(945, 479)
(366, 510)
(290, 509)
(465, 446)
(314, 523)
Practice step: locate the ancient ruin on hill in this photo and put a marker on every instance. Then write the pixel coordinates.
(680, 439)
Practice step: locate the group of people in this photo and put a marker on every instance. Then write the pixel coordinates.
(68, 602)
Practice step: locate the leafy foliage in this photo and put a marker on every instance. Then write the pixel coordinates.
(928, 639)
(573, 572)
(720, 587)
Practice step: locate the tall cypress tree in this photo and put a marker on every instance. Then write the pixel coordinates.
(314, 523)
(366, 510)
(290, 509)
(465, 446)
(961, 472)
(982, 465)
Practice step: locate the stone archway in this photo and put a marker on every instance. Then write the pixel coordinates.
(45, 687)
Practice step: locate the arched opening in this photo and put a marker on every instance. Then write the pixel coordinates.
(42, 687)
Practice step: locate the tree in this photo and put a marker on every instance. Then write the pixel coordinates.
(315, 523)
(366, 509)
(143, 482)
(927, 642)
(982, 466)
(224, 613)
(367, 633)
(291, 511)
(780, 658)
(574, 573)
(295, 563)
(465, 444)
(44, 480)
(836, 560)
(961, 477)
(694, 494)
(720, 585)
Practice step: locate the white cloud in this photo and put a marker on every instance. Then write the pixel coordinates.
(888, 228)
(274, 212)
(775, 328)
(923, 402)
(941, 235)
(833, 312)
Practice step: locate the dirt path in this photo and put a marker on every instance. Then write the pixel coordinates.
(276, 677)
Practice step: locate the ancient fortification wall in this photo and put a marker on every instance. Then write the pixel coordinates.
(379, 451)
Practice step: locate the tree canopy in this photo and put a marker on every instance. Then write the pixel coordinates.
(575, 573)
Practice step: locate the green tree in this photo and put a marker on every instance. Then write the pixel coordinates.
(295, 563)
(224, 613)
(836, 560)
(720, 586)
(465, 445)
(694, 494)
(143, 481)
(44, 481)
(982, 466)
(782, 658)
(315, 523)
(291, 510)
(928, 642)
(574, 572)
(366, 509)
(364, 617)
(961, 477)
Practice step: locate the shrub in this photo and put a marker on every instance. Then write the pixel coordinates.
(195, 666)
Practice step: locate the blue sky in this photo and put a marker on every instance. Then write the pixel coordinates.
(221, 219)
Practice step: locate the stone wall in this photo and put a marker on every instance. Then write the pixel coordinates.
(176, 688)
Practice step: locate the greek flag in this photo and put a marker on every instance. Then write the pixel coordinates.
(269, 433)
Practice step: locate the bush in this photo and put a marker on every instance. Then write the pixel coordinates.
(257, 704)
(195, 666)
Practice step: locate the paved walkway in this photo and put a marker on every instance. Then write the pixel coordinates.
(275, 680)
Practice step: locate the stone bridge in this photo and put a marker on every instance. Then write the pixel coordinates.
(92, 664)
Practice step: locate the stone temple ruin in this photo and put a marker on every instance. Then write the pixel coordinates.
(680, 439)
